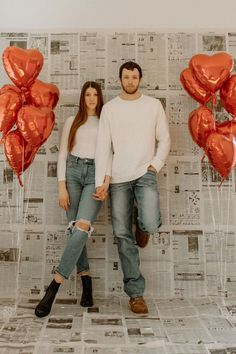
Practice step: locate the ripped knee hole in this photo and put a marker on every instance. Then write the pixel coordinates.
(83, 225)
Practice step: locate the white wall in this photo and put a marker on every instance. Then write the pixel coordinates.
(69, 14)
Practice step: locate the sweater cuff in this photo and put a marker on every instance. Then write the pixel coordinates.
(99, 182)
(158, 164)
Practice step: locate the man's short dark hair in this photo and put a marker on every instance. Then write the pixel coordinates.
(130, 65)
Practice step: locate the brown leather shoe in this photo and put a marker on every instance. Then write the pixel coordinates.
(138, 305)
(142, 237)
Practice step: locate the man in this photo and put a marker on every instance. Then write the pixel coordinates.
(130, 125)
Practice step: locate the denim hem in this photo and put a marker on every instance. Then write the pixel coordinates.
(83, 270)
(151, 232)
(136, 296)
(58, 272)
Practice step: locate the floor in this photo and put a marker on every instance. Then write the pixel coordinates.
(173, 326)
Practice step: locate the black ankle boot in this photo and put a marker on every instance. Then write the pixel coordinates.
(87, 292)
(44, 306)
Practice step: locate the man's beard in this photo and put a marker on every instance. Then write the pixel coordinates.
(130, 92)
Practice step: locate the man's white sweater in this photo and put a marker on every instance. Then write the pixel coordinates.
(127, 136)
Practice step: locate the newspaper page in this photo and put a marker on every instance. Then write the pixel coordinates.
(32, 251)
(211, 42)
(188, 259)
(184, 185)
(64, 63)
(9, 261)
(156, 260)
(152, 57)
(181, 47)
(220, 262)
(40, 41)
(120, 48)
(217, 201)
(93, 57)
(180, 107)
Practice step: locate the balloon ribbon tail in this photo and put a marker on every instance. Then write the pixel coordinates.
(20, 181)
(222, 180)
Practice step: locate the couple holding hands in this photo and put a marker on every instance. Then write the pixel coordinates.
(120, 146)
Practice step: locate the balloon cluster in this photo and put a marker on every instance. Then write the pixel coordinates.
(26, 108)
(202, 79)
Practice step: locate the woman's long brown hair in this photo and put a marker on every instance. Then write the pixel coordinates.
(82, 115)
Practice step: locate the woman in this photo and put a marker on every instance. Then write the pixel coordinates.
(76, 180)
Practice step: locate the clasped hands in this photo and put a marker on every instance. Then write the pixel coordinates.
(101, 191)
(100, 194)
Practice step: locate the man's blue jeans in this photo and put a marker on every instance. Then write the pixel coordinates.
(144, 192)
(80, 183)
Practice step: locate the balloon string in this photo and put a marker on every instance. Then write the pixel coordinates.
(29, 185)
(18, 205)
(227, 233)
(20, 209)
(220, 237)
(223, 236)
(8, 200)
(203, 157)
(213, 212)
(222, 180)
(22, 167)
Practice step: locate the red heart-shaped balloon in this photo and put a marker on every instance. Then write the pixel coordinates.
(18, 153)
(35, 124)
(201, 123)
(212, 71)
(221, 152)
(227, 128)
(42, 94)
(22, 65)
(194, 87)
(10, 103)
(6, 88)
(228, 95)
